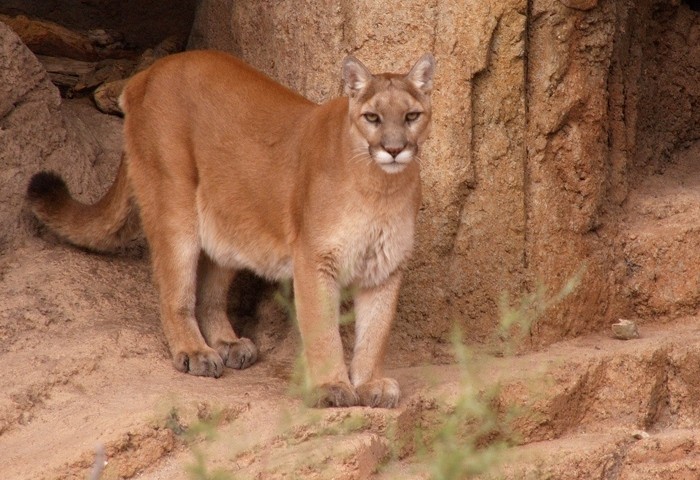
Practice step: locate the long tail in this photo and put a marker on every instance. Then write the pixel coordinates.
(104, 226)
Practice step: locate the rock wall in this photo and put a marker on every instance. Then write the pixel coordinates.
(660, 245)
(538, 108)
(568, 167)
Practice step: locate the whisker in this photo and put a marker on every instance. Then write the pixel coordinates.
(359, 155)
(362, 159)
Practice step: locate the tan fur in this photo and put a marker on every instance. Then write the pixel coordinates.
(231, 170)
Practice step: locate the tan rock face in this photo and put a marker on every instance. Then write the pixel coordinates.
(580, 4)
(535, 128)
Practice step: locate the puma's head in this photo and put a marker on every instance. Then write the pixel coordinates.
(389, 113)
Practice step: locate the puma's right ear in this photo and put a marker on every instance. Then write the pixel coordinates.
(355, 75)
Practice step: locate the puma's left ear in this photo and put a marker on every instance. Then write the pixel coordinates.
(421, 75)
(355, 75)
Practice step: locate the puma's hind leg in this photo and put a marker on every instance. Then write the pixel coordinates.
(169, 220)
(212, 298)
(175, 256)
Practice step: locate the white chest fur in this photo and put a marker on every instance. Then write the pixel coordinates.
(371, 250)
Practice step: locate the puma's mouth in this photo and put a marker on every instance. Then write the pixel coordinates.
(390, 163)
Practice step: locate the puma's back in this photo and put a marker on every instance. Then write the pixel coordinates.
(211, 97)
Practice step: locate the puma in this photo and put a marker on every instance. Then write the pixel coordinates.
(229, 170)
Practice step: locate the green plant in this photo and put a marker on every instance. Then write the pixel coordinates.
(474, 429)
(472, 434)
(199, 470)
(201, 431)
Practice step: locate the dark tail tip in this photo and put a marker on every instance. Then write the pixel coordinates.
(47, 186)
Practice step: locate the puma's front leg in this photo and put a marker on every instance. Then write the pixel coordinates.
(317, 301)
(374, 312)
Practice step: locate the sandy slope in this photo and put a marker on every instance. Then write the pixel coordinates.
(85, 364)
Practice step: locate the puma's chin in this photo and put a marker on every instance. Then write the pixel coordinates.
(393, 165)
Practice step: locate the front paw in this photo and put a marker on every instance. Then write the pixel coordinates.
(201, 362)
(339, 394)
(239, 354)
(382, 392)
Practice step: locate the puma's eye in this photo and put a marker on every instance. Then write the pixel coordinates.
(371, 117)
(412, 116)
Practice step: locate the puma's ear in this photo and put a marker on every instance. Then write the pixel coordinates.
(355, 75)
(421, 75)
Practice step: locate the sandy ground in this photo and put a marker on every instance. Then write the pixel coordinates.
(85, 364)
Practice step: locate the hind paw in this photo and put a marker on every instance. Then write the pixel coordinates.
(239, 354)
(204, 363)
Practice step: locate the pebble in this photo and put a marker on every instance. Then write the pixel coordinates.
(625, 329)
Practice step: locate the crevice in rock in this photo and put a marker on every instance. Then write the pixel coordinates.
(527, 180)
(568, 409)
(658, 407)
(612, 468)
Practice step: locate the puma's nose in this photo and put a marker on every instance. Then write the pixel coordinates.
(393, 151)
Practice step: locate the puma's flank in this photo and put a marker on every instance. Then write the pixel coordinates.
(229, 170)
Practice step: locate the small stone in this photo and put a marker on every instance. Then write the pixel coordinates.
(625, 329)
(640, 435)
